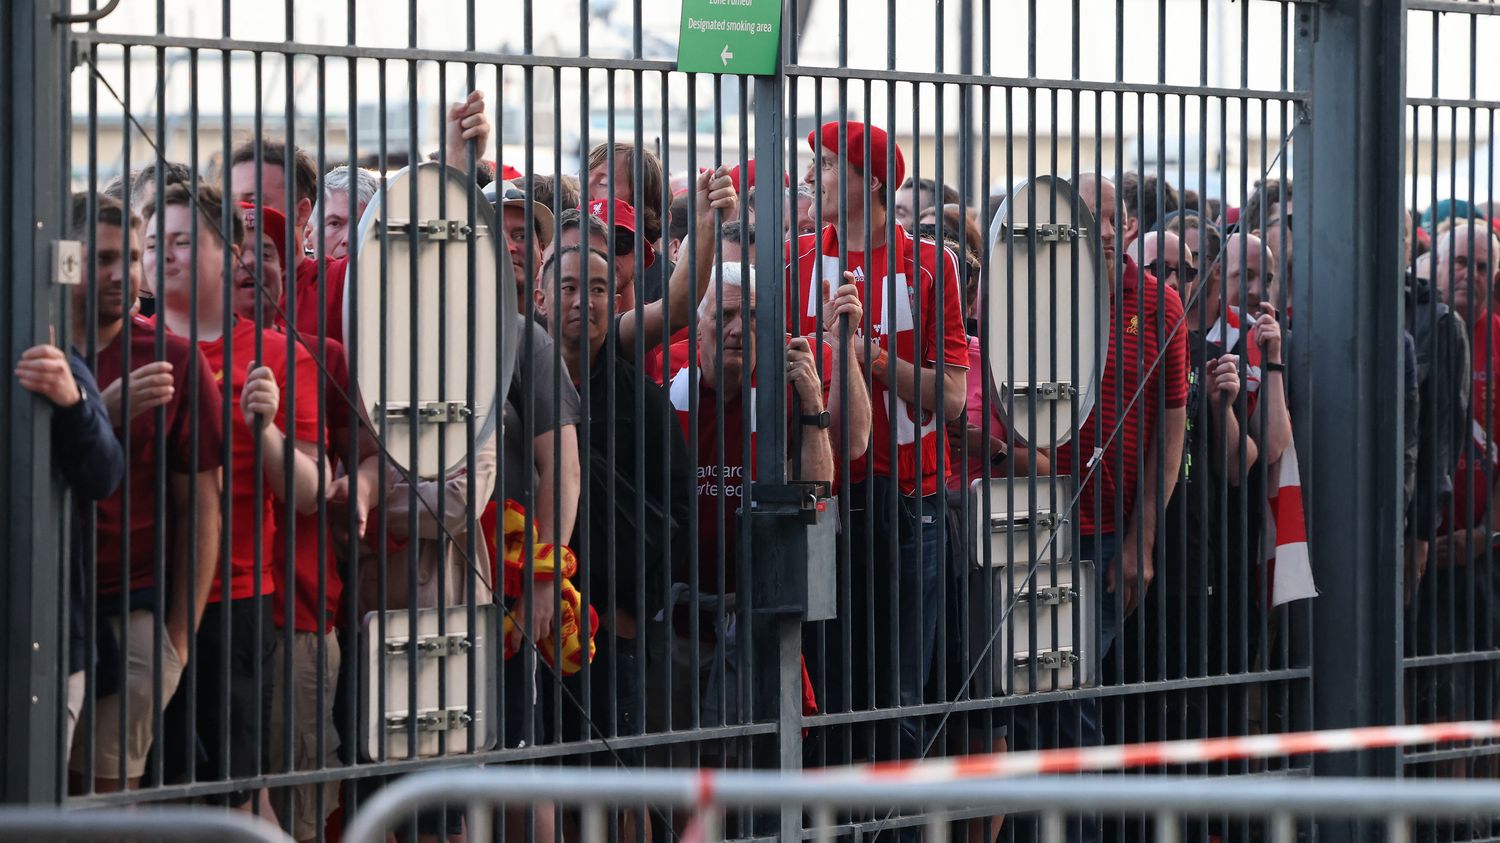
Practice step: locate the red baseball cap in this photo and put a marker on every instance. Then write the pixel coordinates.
(878, 167)
(624, 221)
(509, 173)
(272, 222)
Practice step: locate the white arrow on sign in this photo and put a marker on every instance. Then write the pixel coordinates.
(725, 55)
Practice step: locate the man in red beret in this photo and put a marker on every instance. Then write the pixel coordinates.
(914, 346)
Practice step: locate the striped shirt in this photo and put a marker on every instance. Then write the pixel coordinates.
(921, 437)
(1142, 318)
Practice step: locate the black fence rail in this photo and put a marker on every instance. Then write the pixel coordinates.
(465, 384)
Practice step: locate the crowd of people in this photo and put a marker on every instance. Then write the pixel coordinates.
(234, 511)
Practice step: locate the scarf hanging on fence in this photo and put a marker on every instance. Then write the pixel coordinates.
(1288, 565)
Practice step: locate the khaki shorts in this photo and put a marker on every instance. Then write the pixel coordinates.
(77, 687)
(135, 743)
(299, 803)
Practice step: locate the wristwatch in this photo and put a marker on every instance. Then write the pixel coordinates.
(822, 421)
(1274, 367)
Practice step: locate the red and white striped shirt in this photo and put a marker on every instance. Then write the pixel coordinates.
(921, 439)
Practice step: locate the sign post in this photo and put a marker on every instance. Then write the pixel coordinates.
(730, 36)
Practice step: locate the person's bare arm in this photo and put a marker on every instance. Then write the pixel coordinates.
(557, 468)
(184, 610)
(1223, 376)
(1156, 486)
(262, 397)
(849, 395)
(1272, 425)
(901, 377)
(716, 200)
(815, 460)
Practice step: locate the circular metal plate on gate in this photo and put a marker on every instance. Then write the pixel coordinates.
(423, 331)
(1045, 290)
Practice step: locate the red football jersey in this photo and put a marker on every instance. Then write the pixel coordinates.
(136, 569)
(241, 482)
(913, 327)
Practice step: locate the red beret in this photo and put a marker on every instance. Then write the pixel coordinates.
(878, 167)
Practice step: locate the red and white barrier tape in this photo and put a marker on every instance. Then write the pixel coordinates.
(1127, 756)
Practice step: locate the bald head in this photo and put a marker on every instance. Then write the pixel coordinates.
(1164, 254)
(1249, 272)
(1465, 266)
(1098, 193)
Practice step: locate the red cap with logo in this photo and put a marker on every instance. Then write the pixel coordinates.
(270, 221)
(624, 220)
(878, 166)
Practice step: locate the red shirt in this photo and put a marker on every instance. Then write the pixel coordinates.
(313, 298)
(1485, 343)
(920, 435)
(140, 468)
(1472, 478)
(244, 504)
(1135, 340)
(307, 561)
(657, 363)
(733, 461)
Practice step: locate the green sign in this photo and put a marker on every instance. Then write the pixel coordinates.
(729, 36)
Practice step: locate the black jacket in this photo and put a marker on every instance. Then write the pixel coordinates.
(1442, 347)
(92, 463)
(637, 490)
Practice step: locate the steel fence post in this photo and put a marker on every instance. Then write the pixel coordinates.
(777, 642)
(1348, 339)
(33, 78)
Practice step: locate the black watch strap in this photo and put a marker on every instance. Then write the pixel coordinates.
(822, 421)
(1274, 367)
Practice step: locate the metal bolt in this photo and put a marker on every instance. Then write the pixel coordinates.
(36, 646)
(38, 225)
(35, 699)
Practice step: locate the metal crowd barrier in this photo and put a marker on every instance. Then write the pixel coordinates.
(192, 824)
(1168, 800)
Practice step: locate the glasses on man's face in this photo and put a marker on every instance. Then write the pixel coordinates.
(1186, 272)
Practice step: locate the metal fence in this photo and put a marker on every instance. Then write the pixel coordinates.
(970, 528)
(1166, 807)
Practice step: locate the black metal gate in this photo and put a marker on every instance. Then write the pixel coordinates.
(873, 617)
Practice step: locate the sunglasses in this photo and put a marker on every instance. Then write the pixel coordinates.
(1186, 272)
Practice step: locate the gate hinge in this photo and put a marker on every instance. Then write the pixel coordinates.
(437, 229)
(434, 646)
(1049, 596)
(426, 412)
(431, 720)
(1049, 233)
(1046, 390)
(1046, 660)
(1019, 521)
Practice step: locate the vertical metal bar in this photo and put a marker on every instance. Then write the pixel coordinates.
(777, 639)
(1353, 350)
(31, 214)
